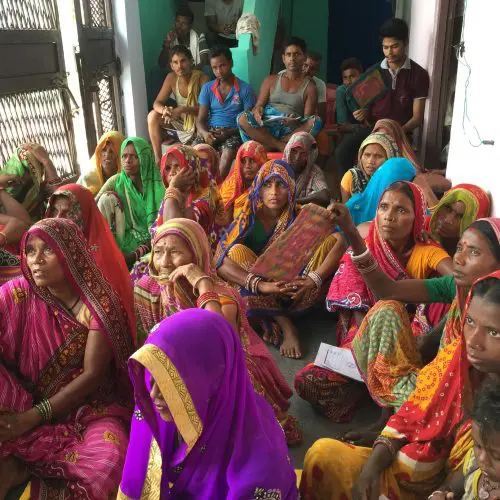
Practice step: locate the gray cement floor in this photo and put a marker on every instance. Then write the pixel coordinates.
(315, 327)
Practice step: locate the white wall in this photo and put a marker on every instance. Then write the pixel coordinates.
(133, 82)
(478, 165)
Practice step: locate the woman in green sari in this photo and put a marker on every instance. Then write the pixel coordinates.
(130, 199)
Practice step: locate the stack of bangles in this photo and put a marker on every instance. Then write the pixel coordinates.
(173, 193)
(45, 409)
(385, 441)
(141, 251)
(3, 239)
(318, 280)
(366, 262)
(197, 282)
(205, 298)
(252, 283)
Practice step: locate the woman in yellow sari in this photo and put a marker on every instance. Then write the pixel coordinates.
(429, 436)
(105, 162)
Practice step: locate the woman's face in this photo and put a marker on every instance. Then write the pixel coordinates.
(249, 169)
(170, 253)
(43, 263)
(482, 335)
(172, 166)
(487, 453)
(159, 402)
(395, 216)
(130, 161)
(448, 219)
(298, 159)
(108, 160)
(275, 194)
(473, 258)
(373, 156)
(60, 207)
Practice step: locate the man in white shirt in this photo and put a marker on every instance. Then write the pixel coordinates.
(222, 17)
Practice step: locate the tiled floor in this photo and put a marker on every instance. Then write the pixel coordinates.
(316, 327)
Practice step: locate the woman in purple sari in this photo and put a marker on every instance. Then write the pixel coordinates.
(65, 401)
(199, 430)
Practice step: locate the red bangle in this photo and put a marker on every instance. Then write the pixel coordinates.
(205, 298)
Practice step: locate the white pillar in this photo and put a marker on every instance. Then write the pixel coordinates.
(133, 82)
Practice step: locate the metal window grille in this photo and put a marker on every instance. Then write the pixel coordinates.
(96, 13)
(41, 116)
(104, 106)
(28, 15)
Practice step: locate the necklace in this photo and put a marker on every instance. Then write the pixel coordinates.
(74, 305)
(487, 486)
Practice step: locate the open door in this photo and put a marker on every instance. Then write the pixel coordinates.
(98, 68)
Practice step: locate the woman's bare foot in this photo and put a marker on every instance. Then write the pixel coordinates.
(12, 473)
(290, 348)
(367, 436)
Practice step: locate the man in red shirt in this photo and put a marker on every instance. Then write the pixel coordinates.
(405, 101)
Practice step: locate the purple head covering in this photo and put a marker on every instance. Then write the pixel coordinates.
(233, 446)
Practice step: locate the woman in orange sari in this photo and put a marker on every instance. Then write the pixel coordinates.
(429, 436)
(235, 188)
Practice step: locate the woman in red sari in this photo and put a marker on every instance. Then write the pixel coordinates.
(64, 339)
(76, 203)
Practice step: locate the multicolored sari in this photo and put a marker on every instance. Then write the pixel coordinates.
(307, 143)
(130, 213)
(432, 424)
(109, 259)
(43, 350)
(359, 177)
(339, 397)
(94, 179)
(214, 160)
(232, 190)
(157, 298)
(393, 129)
(230, 445)
(477, 205)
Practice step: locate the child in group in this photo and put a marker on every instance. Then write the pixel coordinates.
(480, 476)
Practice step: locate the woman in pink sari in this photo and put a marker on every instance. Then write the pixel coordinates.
(64, 342)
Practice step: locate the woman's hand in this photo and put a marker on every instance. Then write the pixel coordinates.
(299, 287)
(342, 217)
(7, 180)
(271, 287)
(14, 425)
(367, 487)
(192, 273)
(183, 180)
(442, 495)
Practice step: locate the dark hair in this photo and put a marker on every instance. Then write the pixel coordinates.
(402, 187)
(185, 11)
(486, 409)
(488, 289)
(394, 28)
(221, 50)
(351, 63)
(315, 56)
(295, 40)
(484, 227)
(180, 49)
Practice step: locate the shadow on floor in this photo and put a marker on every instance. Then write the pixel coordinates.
(315, 327)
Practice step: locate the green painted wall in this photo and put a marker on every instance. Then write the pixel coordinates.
(308, 19)
(157, 17)
(254, 68)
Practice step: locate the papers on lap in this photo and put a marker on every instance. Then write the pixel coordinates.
(290, 253)
(338, 360)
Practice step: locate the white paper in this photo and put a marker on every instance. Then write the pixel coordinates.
(382, 497)
(281, 119)
(338, 360)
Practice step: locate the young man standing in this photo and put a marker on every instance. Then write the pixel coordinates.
(221, 101)
(286, 104)
(183, 34)
(405, 101)
(185, 83)
(351, 120)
